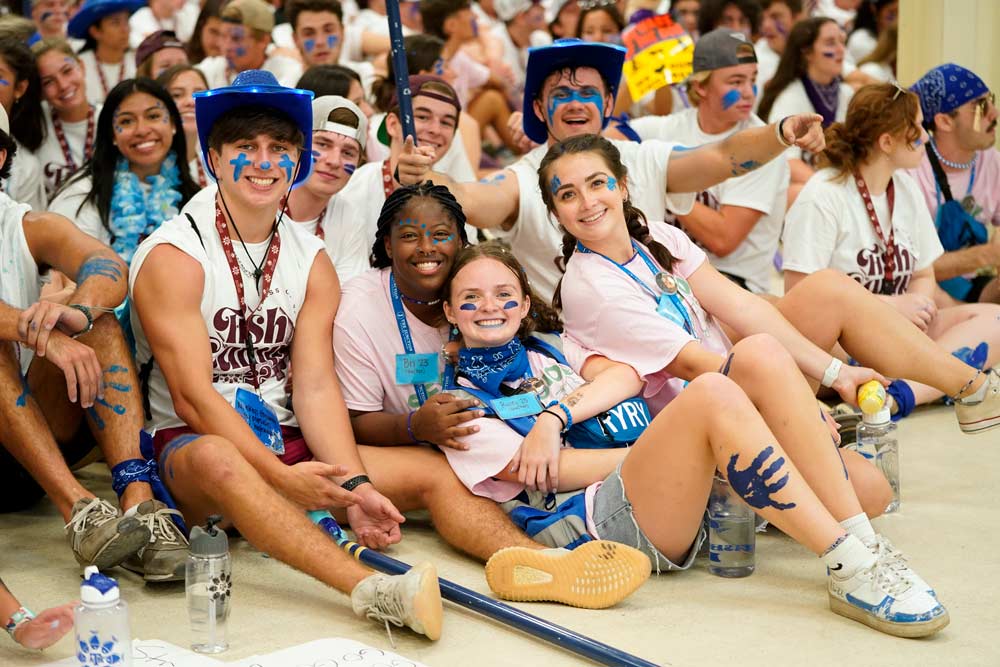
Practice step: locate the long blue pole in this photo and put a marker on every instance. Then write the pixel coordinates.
(400, 69)
(498, 611)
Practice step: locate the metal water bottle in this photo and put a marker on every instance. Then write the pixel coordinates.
(731, 532)
(103, 636)
(208, 584)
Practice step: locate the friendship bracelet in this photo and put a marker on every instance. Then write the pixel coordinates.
(409, 427)
(562, 422)
(779, 132)
(17, 619)
(355, 482)
(832, 372)
(958, 395)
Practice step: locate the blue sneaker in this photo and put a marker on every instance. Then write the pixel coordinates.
(889, 598)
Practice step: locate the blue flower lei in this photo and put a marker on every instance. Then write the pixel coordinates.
(135, 214)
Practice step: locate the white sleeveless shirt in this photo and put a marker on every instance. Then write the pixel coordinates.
(20, 285)
(272, 326)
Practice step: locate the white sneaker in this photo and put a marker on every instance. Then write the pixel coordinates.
(882, 548)
(883, 598)
(412, 599)
(983, 415)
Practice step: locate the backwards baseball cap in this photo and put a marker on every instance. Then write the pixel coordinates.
(159, 40)
(507, 9)
(722, 48)
(255, 14)
(426, 85)
(945, 88)
(322, 107)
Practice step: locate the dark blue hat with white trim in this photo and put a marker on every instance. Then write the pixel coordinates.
(93, 11)
(607, 59)
(256, 88)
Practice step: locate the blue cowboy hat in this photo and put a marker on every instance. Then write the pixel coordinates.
(256, 88)
(569, 52)
(93, 11)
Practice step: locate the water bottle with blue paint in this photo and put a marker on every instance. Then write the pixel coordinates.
(731, 532)
(103, 635)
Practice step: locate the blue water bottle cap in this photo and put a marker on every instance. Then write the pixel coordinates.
(97, 588)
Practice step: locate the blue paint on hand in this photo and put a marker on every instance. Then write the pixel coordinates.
(752, 486)
(510, 305)
(98, 266)
(974, 357)
(612, 183)
(554, 185)
(731, 98)
(286, 163)
(239, 162)
(467, 306)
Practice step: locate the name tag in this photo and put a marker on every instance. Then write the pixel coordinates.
(260, 417)
(518, 405)
(417, 368)
(666, 308)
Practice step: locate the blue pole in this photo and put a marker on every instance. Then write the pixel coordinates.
(498, 611)
(400, 69)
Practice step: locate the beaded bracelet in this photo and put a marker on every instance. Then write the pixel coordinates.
(17, 619)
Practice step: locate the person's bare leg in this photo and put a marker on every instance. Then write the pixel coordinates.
(420, 478)
(490, 108)
(991, 293)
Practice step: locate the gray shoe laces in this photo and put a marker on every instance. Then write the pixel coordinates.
(387, 606)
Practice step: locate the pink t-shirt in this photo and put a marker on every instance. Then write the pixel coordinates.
(985, 189)
(607, 312)
(366, 342)
(470, 76)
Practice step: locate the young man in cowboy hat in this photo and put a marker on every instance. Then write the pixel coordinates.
(104, 27)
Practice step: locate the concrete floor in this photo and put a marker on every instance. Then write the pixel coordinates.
(777, 616)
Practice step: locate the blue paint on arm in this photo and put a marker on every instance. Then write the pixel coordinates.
(239, 162)
(286, 163)
(752, 485)
(98, 266)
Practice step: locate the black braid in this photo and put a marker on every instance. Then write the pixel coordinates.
(397, 201)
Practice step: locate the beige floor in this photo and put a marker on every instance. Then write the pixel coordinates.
(777, 616)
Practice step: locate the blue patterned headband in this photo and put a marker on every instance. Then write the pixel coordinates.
(945, 88)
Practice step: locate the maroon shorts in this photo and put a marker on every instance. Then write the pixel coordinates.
(296, 449)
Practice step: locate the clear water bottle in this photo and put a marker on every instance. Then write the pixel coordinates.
(731, 536)
(103, 636)
(877, 442)
(208, 583)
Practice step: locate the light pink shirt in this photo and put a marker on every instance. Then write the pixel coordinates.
(366, 342)
(607, 312)
(985, 189)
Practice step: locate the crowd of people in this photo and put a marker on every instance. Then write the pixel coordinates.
(550, 315)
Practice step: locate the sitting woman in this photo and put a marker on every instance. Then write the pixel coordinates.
(182, 82)
(865, 216)
(542, 395)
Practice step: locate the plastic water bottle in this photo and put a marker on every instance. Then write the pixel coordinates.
(877, 443)
(208, 583)
(103, 636)
(731, 536)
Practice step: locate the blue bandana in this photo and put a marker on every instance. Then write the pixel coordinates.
(489, 367)
(945, 88)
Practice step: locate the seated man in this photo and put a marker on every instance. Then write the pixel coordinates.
(961, 117)
(61, 365)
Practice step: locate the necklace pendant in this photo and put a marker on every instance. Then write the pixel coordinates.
(256, 275)
(968, 204)
(666, 282)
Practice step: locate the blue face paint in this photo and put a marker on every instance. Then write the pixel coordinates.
(554, 185)
(467, 306)
(731, 98)
(4, 82)
(918, 143)
(829, 54)
(239, 162)
(439, 67)
(315, 156)
(349, 168)
(754, 89)
(265, 165)
(309, 45)
(561, 96)
(752, 486)
(240, 51)
(475, 28)
(286, 163)
(331, 40)
(510, 305)
(612, 183)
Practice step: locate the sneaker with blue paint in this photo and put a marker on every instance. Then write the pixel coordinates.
(885, 597)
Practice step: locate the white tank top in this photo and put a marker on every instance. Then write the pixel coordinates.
(271, 327)
(20, 285)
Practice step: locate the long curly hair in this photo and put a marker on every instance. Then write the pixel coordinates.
(635, 220)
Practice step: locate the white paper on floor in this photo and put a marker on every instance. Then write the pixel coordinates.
(331, 652)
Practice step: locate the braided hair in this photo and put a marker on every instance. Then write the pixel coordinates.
(400, 199)
(635, 220)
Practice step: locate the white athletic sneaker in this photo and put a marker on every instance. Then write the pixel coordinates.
(412, 599)
(882, 548)
(983, 415)
(883, 598)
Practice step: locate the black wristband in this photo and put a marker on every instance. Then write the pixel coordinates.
(562, 422)
(90, 319)
(355, 482)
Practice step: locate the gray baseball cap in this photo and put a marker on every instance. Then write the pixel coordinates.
(722, 48)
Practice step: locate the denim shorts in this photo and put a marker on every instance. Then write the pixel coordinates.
(615, 521)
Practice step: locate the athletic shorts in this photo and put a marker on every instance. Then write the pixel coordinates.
(615, 520)
(296, 450)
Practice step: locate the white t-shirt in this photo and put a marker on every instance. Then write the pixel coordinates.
(55, 169)
(20, 284)
(25, 183)
(828, 227)
(607, 312)
(216, 70)
(880, 71)
(793, 100)
(767, 65)
(345, 239)
(68, 203)
(272, 326)
(366, 341)
(142, 24)
(371, 21)
(860, 44)
(113, 74)
(536, 238)
(763, 189)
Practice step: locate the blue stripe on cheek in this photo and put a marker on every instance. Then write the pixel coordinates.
(510, 305)
(730, 98)
(467, 306)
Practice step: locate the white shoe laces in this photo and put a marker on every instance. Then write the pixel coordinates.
(95, 513)
(387, 605)
(890, 570)
(161, 526)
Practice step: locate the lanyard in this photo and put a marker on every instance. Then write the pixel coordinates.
(88, 144)
(270, 265)
(100, 75)
(319, 224)
(404, 334)
(671, 294)
(889, 255)
(968, 189)
(387, 185)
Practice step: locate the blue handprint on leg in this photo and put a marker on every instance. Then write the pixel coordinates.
(753, 486)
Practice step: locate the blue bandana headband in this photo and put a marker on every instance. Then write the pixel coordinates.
(945, 88)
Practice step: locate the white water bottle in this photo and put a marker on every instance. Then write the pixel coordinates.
(208, 582)
(103, 635)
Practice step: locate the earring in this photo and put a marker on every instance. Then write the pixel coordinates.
(454, 329)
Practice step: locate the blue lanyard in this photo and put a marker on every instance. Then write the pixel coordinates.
(968, 190)
(404, 334)
(675, 299)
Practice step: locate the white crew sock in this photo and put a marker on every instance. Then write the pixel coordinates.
(846, 556)
(860, 527)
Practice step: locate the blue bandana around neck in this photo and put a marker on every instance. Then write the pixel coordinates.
(489, 367)
(136, 213)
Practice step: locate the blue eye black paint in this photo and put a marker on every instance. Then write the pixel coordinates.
(754, 90)
(239, 162)
(315, 156)
(829, 54)
(444, 240)
(331, 40)
(730, 98)
(467, 306)
(510, 305)
(349, 168)
(309, 45)
(918, 143)
(4, 82)
(554, 184)
(240, 51)
(612, 183)
(287, 164)
(566, 97)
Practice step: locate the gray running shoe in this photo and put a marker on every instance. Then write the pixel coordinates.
(101, 536)
(163, 557)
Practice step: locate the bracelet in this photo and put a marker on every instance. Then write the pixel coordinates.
(355, 482)
(569, 417)
(17, 619)
(832, 372)
(90, 319)
(409, 429)
(779, 132)
(562, 422)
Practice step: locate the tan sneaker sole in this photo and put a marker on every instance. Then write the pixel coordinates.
(427, 608)
(595, 575)
(906, 630)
